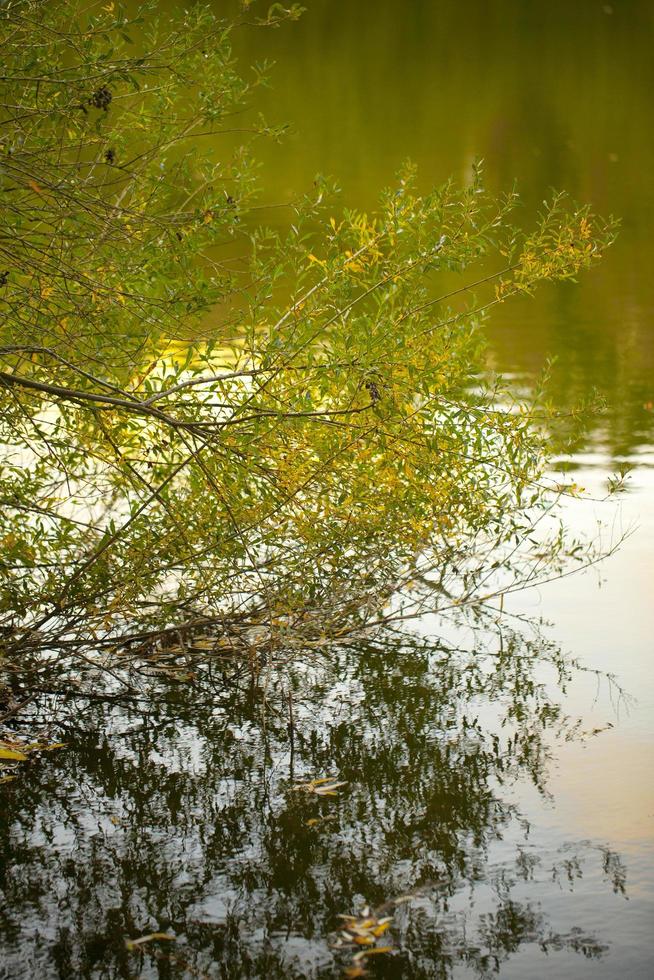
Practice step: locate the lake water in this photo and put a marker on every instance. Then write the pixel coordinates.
(524, 843)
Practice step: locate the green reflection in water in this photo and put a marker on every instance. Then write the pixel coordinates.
(549, 94)
(182, 818)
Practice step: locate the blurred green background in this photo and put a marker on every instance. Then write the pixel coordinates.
(549, 94)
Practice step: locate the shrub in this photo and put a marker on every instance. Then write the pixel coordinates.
(213, 429)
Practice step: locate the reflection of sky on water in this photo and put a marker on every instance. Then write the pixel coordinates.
(606, 788)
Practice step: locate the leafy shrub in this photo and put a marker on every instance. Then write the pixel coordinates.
(210, 425)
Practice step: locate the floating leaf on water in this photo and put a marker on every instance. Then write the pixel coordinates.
(134, 943)
(362, 931)
(326, 786)
(43, 746)
(329, 789)
(11, 754)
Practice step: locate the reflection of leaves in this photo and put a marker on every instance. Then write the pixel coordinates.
(614, 870)
(211, 814)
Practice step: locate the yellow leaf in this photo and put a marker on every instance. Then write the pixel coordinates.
(133, 943)
(378, 949)
(42, 746)
(7, 753)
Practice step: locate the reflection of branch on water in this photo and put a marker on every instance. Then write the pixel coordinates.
(178, 818)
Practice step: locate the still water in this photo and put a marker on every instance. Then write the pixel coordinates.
(498, 799)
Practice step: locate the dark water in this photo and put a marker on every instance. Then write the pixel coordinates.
(523, 839)
(181, 817)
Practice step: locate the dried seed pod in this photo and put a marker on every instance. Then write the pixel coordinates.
(101, 98)
(373, 390)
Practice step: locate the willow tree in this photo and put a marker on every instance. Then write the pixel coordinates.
(219, 435)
